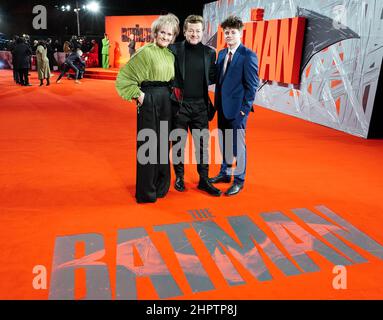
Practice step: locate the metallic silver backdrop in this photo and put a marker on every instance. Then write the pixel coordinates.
(339, 82)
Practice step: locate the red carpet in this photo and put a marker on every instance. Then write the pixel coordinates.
(67, 167)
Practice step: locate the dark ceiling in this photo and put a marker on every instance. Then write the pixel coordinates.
(16, 16)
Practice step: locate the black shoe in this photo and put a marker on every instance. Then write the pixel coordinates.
(179, 185)
(41, 83)
(234, 189)
(48, 82)
(220, 178)
(146, 200)
(205, 185)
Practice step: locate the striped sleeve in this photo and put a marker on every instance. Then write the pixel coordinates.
(132, 74)
(150, 63)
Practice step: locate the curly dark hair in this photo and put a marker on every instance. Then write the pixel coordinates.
(232, 22)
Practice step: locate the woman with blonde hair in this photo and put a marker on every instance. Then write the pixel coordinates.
(147, 78)
(66, 48)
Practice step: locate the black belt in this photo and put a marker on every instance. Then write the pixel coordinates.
(149, 84)
(194, 100)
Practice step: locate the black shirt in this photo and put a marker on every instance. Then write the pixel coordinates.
(194, 71)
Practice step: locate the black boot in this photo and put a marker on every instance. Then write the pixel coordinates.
(179, 185)
(48, 83)
(220, 178)
(41, 82)
(205, 185)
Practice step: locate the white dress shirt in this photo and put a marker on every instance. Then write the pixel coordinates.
(227, 56)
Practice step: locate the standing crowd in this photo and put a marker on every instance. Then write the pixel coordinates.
(44, 51)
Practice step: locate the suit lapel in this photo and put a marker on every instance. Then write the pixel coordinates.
(206, 64)
(181, 60)
(221, 64)
(237, 53)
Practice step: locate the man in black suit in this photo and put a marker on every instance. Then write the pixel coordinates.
(194, 72)
(22, 56)
(50, 54)
(11, 47)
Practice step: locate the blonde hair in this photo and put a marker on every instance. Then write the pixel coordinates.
(168, 19)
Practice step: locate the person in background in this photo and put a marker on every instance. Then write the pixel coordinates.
(66, 48)
(80, 65)
(71, 63)
(147, 78)
(43, 69)
(105, 51)
(131, 45)
(74, 43)
(12, 45)
(34, 47)
(27, 41)
(57, 46)
(117, 55)
(22, 59)
(93, 53)
(50, 53)
(85, 44)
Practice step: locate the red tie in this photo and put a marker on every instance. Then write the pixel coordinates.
(228, 61)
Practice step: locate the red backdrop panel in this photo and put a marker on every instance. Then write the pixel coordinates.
(118, 29)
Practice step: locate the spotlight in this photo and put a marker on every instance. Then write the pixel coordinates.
(65, 8)
(93, 6)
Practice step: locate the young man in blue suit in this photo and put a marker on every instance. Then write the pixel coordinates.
(237, 72)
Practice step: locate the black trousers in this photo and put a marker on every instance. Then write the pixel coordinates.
(16, 76)
(52, 61)
(154, 115)
(23, 76)
(193, 116)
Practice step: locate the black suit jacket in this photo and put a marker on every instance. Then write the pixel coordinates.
(178, 50)
(21, 56)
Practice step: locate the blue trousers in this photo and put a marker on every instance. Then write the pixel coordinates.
(233, 145)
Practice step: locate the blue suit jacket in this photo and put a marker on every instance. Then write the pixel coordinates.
(235, 91)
